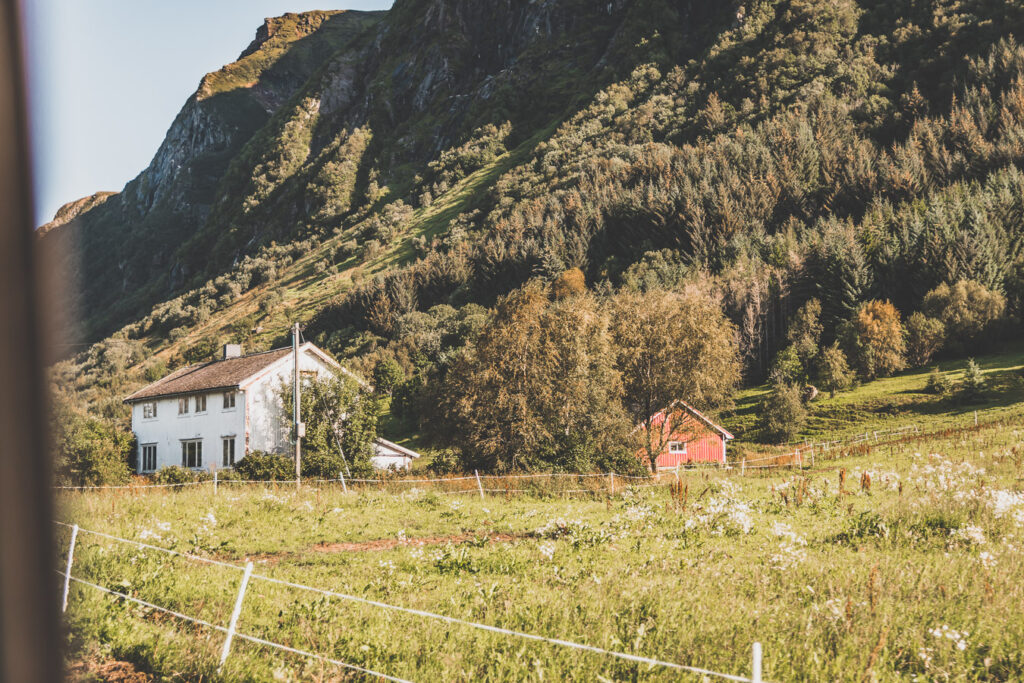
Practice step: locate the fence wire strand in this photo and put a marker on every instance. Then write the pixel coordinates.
(383, 605)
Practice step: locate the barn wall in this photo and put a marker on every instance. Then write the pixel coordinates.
(704, 445)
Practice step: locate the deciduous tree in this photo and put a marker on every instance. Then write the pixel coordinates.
(874, 340)
(672, 346)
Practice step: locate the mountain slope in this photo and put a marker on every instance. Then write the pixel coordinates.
(453, 149)
(126, 244)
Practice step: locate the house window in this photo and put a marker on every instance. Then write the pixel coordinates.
(229, 400)
(201, 403)
(183, 405)
(149, 457)
(229, 452)
(677, 447)
(149, 410)
(192, 454)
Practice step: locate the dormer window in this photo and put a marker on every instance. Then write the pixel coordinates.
(149, 410)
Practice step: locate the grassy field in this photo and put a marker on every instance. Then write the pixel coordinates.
(915, 575)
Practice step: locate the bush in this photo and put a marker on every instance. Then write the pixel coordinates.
(387, 375)
(320, 464)
(263, 466)
(177, 475)
(833, 371)
(972, 387)
(938, 383)
(968, 310)
(925, 337)
(445, 461)
(90, 451)
(783, 413)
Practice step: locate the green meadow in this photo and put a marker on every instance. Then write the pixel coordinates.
(896, 559)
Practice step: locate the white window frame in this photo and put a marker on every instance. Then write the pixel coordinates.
(144, 456)
(229, 400)
(678, 447)
(200, 407)
(227, 451)
(183, 405)
(197, 461)
(149, 410)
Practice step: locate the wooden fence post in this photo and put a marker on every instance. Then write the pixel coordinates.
(611, 483)
(478, 484)
(215, 482)
(232, 625)
(344, 486)
(67, 569)
(755, 664)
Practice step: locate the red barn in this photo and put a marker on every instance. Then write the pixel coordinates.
(681, 434)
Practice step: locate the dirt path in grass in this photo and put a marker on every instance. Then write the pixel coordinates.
(390, 543)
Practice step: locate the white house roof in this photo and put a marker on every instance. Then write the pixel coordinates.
(229, 373)
(395, 447)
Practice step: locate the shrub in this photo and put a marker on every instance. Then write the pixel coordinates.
(176, 475)
(968, 310)
(925, 337)
(156, 370)
(263, 466)
(833, 371)
(90, 451)
(320, 464)
(938, 383)
(783, 413)
(972, 387)
(569, 283)
(445, 461)
(270, 302)
(387, 375)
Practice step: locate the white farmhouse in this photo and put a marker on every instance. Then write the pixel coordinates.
(220, 411)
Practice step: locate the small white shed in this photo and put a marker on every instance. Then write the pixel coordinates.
(390, 456)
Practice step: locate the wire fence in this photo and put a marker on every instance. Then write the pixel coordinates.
(541, 484)
(230, 631)
(807, 454)
(593, 483)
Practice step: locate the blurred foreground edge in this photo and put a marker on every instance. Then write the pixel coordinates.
(30, 642)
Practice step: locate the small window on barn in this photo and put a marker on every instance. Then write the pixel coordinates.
(677, 447)
(183, 405)
(192, 454)
(229, 400)
(201, 403)
(149, 410)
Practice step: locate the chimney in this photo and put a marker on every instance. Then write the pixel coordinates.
(232, 351)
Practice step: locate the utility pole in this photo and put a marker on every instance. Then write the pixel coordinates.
(300, 427)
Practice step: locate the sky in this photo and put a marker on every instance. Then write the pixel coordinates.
(107, 77)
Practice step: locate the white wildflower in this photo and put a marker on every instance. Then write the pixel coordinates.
(958, 638)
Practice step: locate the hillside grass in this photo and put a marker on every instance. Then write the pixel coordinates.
(867, 582)
(903, 397)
